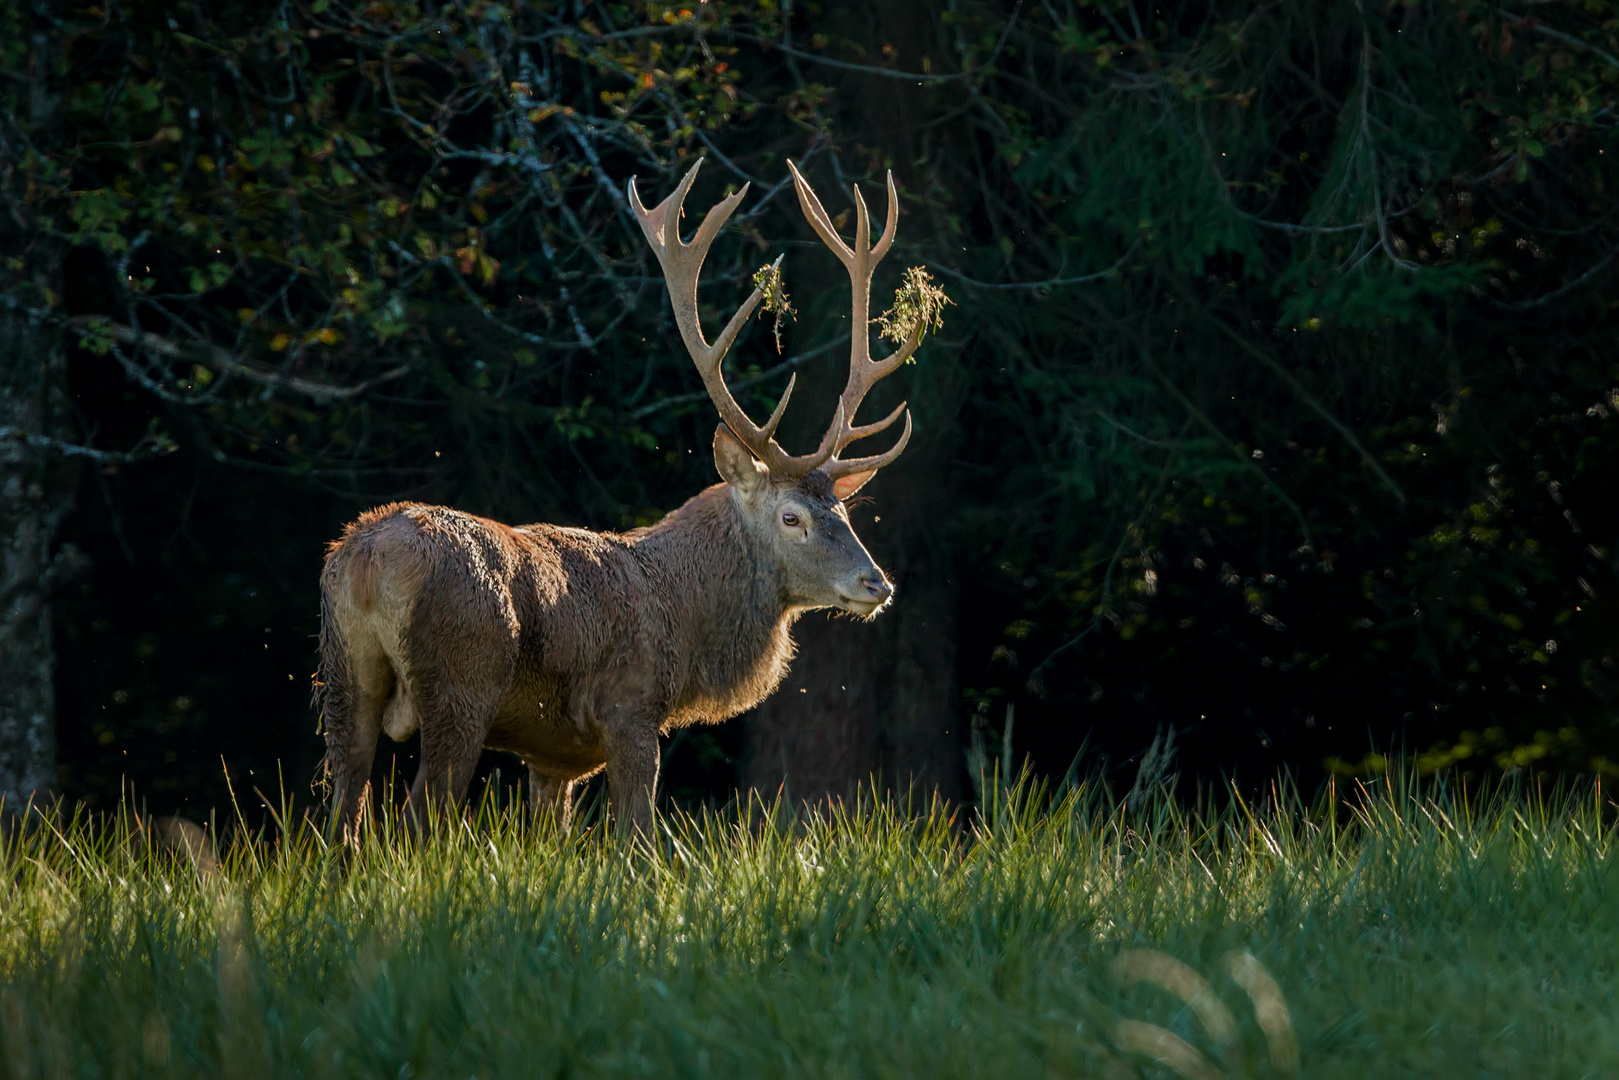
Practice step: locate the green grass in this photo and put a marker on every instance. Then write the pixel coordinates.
(1407, 935)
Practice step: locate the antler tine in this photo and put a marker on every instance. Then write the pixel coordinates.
(836, 468)
(653, 221)
(891, 225)
(769, 429)
(862, 230)
(855, 434)
(861, 261)
(682, 263)
(811, 205)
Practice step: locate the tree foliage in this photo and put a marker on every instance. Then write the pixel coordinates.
(341, 239)
(1278, 405)
(1317, 405)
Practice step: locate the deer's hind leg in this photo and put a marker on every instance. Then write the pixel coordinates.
(550, 794)
(461, 652)
(456, 691)
(455, 723)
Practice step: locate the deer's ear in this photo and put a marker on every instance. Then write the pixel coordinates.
(737, 466)
(844, 486)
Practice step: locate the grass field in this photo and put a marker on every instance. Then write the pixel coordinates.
(1390, 934)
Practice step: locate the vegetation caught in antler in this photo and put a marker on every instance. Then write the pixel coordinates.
(767, 279)
(918, 307)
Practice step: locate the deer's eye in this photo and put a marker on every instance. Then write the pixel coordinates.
(789, 519)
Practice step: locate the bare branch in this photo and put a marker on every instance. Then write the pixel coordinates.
(1558, 293)
(213, 356)
(142, 450)
(1049, 283)
(1532, 23)
(867, 69)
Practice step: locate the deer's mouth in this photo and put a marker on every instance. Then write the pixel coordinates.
(870, 597)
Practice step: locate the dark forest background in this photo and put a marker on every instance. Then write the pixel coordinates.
(1278, 406)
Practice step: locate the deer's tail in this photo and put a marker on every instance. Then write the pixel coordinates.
(333, 690)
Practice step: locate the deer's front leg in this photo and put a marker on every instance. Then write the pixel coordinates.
(630, 738)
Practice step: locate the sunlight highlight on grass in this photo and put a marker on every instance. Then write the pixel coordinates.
(1396, 933)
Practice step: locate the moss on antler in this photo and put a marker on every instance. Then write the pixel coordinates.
(918, 303)
(768, 280)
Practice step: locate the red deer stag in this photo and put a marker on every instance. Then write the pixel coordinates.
(575, 649)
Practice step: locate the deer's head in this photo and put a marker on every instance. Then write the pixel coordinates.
(793, 505)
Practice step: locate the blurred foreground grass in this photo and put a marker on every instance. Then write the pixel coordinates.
(1394, 933)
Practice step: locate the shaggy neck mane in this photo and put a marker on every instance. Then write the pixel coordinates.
(719, 592)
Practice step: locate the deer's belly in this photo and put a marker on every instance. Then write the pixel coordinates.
(535, 720)
(707, 710)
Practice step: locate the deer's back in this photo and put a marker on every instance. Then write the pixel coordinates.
(442, 590)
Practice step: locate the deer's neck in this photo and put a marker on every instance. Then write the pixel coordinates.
(724, 598)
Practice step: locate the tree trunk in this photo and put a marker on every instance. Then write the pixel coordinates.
(921, 747)
(872, 701)
(36, 491)
(816, 738)
(36, 483)
(880, 698)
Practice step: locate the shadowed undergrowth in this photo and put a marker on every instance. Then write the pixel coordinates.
(1394, 933)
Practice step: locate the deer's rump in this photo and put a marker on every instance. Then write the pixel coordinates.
(432, 617)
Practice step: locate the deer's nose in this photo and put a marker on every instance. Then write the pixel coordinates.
(876, 586)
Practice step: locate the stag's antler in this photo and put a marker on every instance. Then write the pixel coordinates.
(863, 370)
(682, 262)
